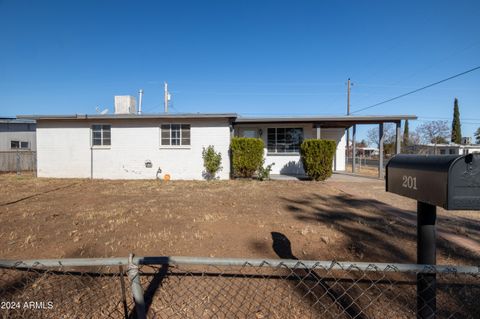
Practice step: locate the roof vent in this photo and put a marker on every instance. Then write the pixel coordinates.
(125, 104)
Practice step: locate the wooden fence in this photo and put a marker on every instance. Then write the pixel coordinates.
(17, 161)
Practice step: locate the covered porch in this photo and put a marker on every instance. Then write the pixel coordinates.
(282, 137)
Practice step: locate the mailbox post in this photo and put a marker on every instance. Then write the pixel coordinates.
(448, 181)
(426, 255)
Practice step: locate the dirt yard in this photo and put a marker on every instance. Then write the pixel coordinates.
(346, 218)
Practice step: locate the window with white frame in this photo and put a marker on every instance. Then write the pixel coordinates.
(101, 135)
(175, 134)
(284, 139)
(19, 145)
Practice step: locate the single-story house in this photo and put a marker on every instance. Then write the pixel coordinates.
(149, 146)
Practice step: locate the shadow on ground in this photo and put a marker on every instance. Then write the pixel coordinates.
(374, 231)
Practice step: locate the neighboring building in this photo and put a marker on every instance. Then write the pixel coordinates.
(367, 151)
(17, 134)
(444, 149)
(148, 146)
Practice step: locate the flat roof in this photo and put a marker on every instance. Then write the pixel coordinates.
(9, 120)
(341, 120)
(128, 116)
(322, 121)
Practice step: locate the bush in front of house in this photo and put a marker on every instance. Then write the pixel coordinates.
(263, 173)
(317, 158)
(247, 156)
(211, 161)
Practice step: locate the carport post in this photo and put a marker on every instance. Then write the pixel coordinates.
(319, 132)
(426, 255)
(380, 150)
(397, 138)
(354, 148)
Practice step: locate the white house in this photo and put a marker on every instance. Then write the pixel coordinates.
(444, 149)
(149, 146)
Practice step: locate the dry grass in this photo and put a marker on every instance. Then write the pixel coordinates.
(47, 218)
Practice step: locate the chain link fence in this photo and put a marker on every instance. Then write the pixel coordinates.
(18, 161)
(188, 287)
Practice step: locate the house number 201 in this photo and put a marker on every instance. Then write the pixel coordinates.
(409, 182)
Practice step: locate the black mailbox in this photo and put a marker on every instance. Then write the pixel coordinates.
(449, 181)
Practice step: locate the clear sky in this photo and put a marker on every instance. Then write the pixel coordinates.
(249, 57)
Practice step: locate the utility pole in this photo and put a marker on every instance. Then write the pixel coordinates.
(348, 96)
(165, 97)
(348, 129)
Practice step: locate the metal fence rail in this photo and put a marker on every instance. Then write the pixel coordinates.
(189, 287)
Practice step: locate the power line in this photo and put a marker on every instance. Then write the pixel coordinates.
(417, 90)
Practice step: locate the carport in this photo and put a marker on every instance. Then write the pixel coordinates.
(350, 121)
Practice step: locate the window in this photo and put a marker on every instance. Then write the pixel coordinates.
(249, 133)
(101, 135)
(284, 140)
(442, 152)
(175, 134)
(452, 151)
(19, 145)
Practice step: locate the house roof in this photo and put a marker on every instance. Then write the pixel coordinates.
(326, 121)
(129, 116)
(322, 121)
(10, 120)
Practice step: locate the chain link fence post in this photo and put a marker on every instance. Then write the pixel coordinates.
(122, 287)
(137, 290)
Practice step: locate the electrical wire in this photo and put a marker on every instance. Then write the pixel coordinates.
(417, 90)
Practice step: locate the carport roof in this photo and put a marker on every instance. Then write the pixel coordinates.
(327, 121)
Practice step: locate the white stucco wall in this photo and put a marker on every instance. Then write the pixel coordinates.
(64, 149)
(290, 164)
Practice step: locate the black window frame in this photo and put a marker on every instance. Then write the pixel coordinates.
(101, 135)
(175, 135)
(19, 145)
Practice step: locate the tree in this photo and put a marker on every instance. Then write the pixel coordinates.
(388, 135)
(477, 136)
(388, 138)
(456, 126)
(406, 135)
(362, 143)
(434, 132)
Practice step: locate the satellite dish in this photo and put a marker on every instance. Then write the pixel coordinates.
(105, 111)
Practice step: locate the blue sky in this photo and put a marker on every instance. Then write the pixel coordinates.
(249, 57)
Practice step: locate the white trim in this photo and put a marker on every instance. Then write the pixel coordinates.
(276, 130)
(91, 137)
(175, 147)
(170, 146)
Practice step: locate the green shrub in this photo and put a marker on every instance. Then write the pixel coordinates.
(317, 158)
(211, 161)
(247, 156)
(263, 173)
